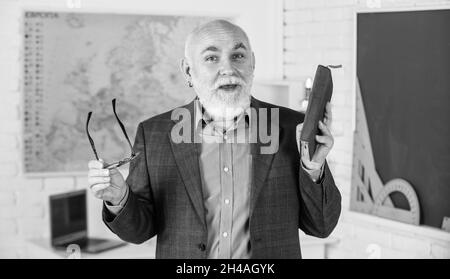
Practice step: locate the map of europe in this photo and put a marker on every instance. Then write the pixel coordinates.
(78, 62)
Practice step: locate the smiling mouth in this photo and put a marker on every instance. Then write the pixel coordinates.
(228, 87)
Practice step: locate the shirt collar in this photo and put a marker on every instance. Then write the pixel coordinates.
(202, 117)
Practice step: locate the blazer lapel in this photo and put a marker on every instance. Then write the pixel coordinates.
(261, 163)
(187, 160)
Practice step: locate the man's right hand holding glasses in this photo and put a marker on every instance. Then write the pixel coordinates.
(105, 180)
(106, 184)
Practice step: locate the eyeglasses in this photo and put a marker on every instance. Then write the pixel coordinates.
(123, 161)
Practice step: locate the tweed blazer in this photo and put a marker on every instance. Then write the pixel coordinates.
(166, 200)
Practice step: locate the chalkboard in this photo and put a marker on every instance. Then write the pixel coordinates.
(403, 68)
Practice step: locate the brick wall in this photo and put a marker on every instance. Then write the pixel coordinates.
(322, 32)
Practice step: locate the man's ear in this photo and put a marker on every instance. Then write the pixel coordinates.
(185, 69)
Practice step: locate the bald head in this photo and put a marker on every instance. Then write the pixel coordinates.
(213, 30)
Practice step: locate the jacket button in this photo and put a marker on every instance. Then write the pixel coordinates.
(202, 247)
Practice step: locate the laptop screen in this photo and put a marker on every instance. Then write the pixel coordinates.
(68, 217)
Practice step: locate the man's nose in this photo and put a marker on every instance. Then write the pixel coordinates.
(226, 68)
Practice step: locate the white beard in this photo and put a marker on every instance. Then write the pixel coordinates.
(222, 105)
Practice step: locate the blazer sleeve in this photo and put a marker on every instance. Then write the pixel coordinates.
(135, 223)
(320, 204)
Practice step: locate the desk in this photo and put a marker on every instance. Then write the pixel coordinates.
(41, 249)
(312, 248)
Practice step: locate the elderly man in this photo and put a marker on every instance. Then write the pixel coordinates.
(220, 196)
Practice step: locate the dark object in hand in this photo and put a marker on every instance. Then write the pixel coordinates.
(321, 94)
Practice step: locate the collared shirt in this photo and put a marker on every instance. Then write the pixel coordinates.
(225, 170)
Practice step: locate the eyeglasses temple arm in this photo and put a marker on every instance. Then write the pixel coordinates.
(122, 126)
(89, 136)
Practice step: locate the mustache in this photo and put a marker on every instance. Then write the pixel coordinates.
(229, 81)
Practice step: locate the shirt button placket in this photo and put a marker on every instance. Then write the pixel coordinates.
(226, 210)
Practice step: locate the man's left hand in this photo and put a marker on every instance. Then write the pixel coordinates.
(324, 143)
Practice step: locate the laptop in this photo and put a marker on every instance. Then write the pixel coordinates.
(68, 224)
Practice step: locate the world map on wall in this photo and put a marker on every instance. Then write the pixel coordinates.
(78, 62)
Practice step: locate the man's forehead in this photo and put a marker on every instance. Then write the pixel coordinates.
(220, 46)
(216, 36)
(221, 35)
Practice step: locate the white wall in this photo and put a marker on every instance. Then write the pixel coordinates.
(24, 201)
(322, 32)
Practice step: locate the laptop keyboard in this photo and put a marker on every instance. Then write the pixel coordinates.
(96, 241)
(95, 245)
(89, 242)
